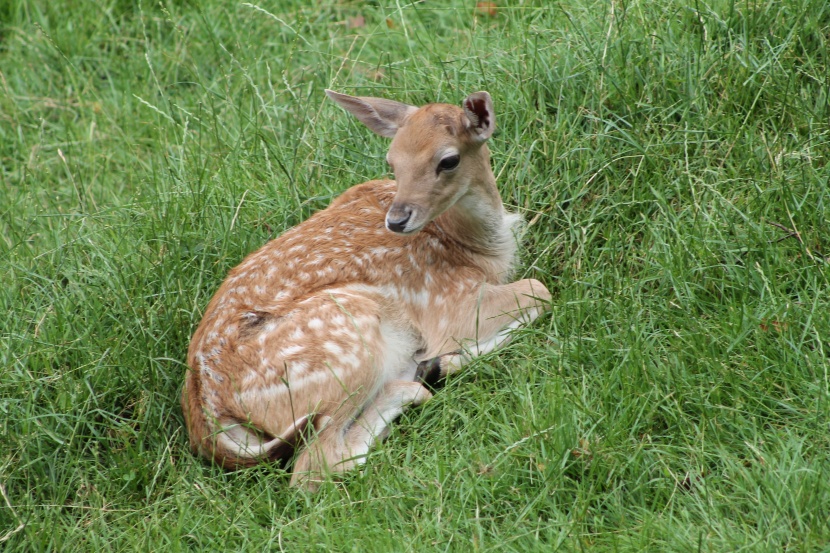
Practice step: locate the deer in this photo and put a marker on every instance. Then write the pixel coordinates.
(320, 339)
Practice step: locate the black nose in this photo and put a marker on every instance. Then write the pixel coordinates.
(397, 218)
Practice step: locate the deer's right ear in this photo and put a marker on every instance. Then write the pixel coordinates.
(382, 116)
(478, 107)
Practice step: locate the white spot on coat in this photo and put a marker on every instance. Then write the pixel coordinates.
(290, 350)
(331, 347)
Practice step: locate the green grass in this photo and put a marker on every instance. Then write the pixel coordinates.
(671, 158)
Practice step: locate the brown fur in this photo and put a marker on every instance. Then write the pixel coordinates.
(316, 336)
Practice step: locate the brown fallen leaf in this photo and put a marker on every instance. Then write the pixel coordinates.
(777, 325)
(488, 9)
(584, 449)
(356, 22)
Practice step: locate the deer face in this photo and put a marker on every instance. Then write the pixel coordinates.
(436, 152)
(433, 160)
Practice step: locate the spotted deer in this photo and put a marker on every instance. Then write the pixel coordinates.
(319, 339)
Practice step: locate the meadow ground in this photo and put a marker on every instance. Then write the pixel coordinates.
(671, 159)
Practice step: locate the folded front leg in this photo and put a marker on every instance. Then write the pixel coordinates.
(496, 312)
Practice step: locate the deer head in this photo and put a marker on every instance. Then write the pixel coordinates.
(438, 154)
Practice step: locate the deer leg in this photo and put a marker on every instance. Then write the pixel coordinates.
(341, 447)
(496, 311)
(373, 423)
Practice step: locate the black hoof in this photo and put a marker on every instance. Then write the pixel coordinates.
(429, 373)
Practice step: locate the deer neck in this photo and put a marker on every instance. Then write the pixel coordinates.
(478, 220)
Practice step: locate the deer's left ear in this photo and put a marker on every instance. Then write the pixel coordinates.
(478, 107)
(382, 116)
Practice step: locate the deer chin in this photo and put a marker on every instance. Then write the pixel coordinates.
(413, 225)
(407, 232)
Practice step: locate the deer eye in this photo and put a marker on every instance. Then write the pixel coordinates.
(449, 163)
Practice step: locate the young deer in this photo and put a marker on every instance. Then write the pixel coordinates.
(326, 334)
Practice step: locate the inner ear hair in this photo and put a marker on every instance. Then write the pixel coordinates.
(477, 112)
(478, 107)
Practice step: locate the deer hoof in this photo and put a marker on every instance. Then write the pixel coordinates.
(433, 372)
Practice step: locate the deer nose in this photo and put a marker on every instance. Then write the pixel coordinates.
(397, 218)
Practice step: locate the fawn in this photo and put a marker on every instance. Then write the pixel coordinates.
(322, 337)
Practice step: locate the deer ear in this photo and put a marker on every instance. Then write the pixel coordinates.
(382, 116)
(478, 107)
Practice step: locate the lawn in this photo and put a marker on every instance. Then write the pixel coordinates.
(671, 159)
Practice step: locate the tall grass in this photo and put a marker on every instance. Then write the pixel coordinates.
(671, 159)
